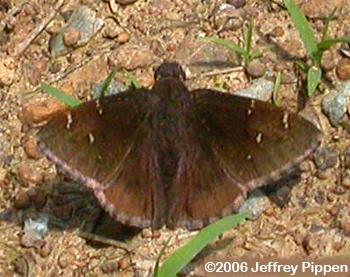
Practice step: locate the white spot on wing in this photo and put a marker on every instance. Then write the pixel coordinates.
(91, 138)
(69, 121)
(285, 120)
(259, 138)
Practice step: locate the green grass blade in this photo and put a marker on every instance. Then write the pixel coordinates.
(249, 41)
(326, 44)
(185, 254)
(60, 96)
(326, 25)
(107, 82)
(303, 27)
(132, 80)
(313, 79)
(156, 268)
(227, 44)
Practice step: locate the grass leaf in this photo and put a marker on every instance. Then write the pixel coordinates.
(107, 82)
(60, 96)
(313, 79)
(249, 41)
(327, 43)
(303, 27)
(185, 254)
(132, 80)
(227, 44)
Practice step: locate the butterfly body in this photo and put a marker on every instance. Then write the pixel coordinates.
(170, 156)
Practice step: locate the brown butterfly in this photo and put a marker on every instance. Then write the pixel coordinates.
(174, 157)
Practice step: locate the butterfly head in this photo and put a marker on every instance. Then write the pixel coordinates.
(170, 70)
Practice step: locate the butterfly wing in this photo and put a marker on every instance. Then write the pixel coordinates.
(239, 144)
(103, 144)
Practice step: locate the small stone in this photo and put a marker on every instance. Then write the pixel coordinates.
(227, 18)
(237, 3)
(34, 70)
(277, 31)
(63, 261)
(147, 233)
(146, 80)
(125, 2)
(260, 89)
(123, 38)
(7, 71)
(320, 8)
(22, 200)
(335, 104)
(343, 69)
(334, 210)
(29, 175)
(345, 226)
(109, 267)
(256, 69)
(320, 197)
(54, 67)
(325, 158)
(339, 190)
(71, 37)
(124, 263)
(39, 199)
(328, 61)
(39, 112)
(46, 250)
(347, 158)
(31, 148)
(111, 29)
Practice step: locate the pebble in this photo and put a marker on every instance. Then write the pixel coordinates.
(82, 20)
(260, 89)
(335, 104)
(38, 198)
(125, 2)
(46, 250)
(328, 60)
(227, 18)
(39, 112)
(124, 263)
(29, 175)
(255, 205)
(146, 80)
(111, 29)
(237, 3)
(345, 226)
(325, 158)
(346, 157)
(109, 267)
(256, 69)
(22, 200)
(343, 69)
(7, 71)
(277, 31)
(31, 149)
(71, 37)
(123, 38)
(320, 8)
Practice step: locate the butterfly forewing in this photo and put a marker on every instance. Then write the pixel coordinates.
(107, 145)
(240, 144)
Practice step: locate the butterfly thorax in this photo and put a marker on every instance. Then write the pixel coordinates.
(170, 123)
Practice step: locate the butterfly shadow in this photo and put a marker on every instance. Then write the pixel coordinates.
(70, 206)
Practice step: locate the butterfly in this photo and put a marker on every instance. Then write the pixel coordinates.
(174, 157)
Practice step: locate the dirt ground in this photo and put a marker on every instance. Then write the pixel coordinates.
(81, 240)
